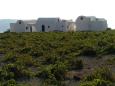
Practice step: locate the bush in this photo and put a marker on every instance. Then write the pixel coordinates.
(110, 49)
(5, 75)
(46, 74)
(7, 31)
(59, 70)
(96, 82)
(53, 73)
(100, 77)
(13, 71)
(102, 73)
(9, 57)
(88, 51)
(11, 82)
(25, 60)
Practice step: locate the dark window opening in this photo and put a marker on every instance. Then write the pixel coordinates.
(43, 28)
(58, 20)
(26, 28)
(19, 21)
(48, 26)
(30, 28)
(81, 18)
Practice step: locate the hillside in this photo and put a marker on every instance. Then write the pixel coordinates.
(57, 59)
(5, 24)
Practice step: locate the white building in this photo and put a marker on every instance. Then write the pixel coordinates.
(48, 24)
(23, 26)
(82, 23)
(43, 25)
(54, 24)
(68, 25)
(91, 23)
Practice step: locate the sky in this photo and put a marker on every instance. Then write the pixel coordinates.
(65, 9)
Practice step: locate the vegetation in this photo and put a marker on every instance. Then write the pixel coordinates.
(7, 31)
(100, 77)
(50, 56)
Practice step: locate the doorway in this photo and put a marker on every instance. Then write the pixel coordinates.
(43, 28)
(30, 28)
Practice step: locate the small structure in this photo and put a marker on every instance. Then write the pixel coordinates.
(55, 24)
(48, 24)
(23, 26)
(91, 23)
(68, 25)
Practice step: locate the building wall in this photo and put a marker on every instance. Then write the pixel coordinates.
(49, 24)
(82, 23)
(90, 24)
(19, 26)
(71, 27)
(12, 29)
(55, 24)
(98, 26)
(68, 26)
(30, 28)
(64, 25)
(34, 28)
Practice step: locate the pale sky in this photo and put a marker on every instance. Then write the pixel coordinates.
(65, 9)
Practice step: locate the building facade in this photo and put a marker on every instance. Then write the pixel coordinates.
(91, 23)
(82, 23)
(23, 26)
(48, 24)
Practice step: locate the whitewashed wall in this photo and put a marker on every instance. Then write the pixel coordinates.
(30, 28)
(12, 29)
(98, 25)
(19, 26)
(50, 24)
(84, 23)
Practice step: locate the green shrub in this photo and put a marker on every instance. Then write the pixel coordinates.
(53, 73)
(46, 74)
(13, 71)
(5, 75)
(96, 82)
(9, 57)
(110, 49)
(59, 70)
(11, 82)
(25, 50)
(110, 61)
(25, 59)
(88, 51)
(102, 73)
(7, 31)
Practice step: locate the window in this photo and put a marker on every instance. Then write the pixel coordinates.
(58, 20)
(19, 21)
(48, 26)
(81, 18)
(26, 28)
